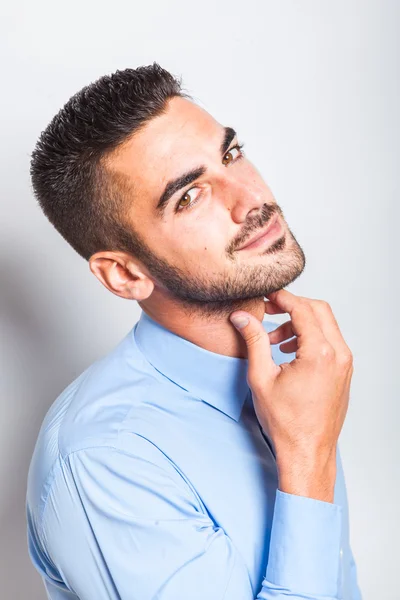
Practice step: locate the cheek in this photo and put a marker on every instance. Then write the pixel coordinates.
(203, 241)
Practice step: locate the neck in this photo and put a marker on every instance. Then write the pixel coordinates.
(209, 328)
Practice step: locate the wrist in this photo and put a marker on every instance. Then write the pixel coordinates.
(311, 475)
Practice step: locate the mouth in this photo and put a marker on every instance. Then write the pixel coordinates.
(266, 235)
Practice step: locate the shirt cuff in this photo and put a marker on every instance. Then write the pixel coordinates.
(304, 553)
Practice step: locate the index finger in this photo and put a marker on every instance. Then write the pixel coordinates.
(305, 324)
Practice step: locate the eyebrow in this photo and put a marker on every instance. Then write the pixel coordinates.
(186, 178)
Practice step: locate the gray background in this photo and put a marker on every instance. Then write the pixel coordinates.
(312, 88)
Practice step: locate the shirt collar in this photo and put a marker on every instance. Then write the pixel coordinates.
(216, 379)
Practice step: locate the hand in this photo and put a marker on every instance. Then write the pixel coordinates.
(301, 404)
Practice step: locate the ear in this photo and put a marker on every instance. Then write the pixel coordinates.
(121, 275)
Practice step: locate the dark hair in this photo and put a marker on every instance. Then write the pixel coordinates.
(84, 201)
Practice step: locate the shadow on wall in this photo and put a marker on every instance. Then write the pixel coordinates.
(35, 369)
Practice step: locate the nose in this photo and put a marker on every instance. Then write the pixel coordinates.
(246, 199)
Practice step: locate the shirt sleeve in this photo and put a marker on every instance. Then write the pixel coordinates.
(304, 552)
(349, 573)
(126, 525)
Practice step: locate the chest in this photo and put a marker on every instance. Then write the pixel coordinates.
(232, 472)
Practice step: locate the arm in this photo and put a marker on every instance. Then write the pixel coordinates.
(306, 530)
(302, 404)
(124, 524)
(350, 587)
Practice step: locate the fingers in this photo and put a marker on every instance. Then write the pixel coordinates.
(272, 309)
(304, 322)
(261, 364)
(329, 326)
(289, 347)
(281, 333)
(323, 318)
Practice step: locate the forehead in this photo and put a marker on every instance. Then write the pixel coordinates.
(166, 145)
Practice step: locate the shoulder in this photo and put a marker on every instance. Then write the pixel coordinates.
(88, 412)
(114, 387)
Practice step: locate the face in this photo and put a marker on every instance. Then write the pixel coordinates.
(197, 199)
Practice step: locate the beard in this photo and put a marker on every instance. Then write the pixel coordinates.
(238, 287)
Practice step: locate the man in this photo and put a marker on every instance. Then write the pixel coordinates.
(193, 461)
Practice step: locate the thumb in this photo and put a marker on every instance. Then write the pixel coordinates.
(259, 353)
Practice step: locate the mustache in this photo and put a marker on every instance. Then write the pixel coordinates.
(257, 223)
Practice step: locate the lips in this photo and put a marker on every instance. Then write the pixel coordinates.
(261, 233)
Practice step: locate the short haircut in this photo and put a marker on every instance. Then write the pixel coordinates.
(83, 200)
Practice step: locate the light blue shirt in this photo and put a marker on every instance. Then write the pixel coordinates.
(152, 479)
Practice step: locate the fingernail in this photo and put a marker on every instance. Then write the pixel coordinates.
(239, 321)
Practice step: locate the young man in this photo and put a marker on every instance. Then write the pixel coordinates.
(194, 461)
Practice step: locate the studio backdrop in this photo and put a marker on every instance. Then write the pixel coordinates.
(312, 88)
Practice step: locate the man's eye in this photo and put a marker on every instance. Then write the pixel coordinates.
(187, 200)
(232, 155)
